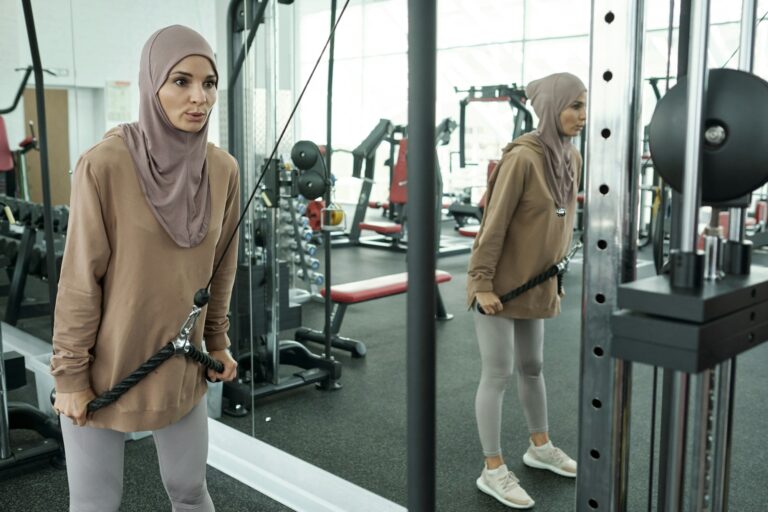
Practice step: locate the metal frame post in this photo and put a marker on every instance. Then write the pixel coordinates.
(421, 331)
(613, 164)
(724, 423)
(42, 131)
(272, 237)
(671, 499)
(701, 463)
(727, 370)
(738, 216)
(697, 93)
(5, 426)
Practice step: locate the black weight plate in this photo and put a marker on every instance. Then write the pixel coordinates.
(739, 102)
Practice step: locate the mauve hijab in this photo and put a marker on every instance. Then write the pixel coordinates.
(171, 164)
(550, 96)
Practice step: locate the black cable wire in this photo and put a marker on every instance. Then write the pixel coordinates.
(277, 144)
(738, 47)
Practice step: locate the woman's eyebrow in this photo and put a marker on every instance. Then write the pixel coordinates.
(184, 73)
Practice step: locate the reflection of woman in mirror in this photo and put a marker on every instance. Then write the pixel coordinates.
(527, 227)
(152, 208)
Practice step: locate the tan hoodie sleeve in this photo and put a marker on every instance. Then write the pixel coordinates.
(78, 303)
(216, 320)
(505, 197)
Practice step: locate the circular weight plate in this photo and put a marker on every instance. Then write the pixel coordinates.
(304, 154)
(736, 101)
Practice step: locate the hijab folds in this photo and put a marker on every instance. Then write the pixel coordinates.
(170, 163)
(550, 96)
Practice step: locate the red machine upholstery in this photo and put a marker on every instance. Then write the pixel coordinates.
(761, 211)
(6, 157)
(378, 204)
(398, 188)
(377, 287)
(382, 228)
(724, 223)
(470, 231)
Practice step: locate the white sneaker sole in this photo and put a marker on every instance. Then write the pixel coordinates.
(533, 463)
(490, 492)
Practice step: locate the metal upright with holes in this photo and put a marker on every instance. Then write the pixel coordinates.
(691, 326)
(613, 160)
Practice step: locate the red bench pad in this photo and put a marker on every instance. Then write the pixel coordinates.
(470, 231)
(376, 288)
(378, 204)
(383, 228)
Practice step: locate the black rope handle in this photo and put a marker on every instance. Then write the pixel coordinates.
(559, 269)
(204, 359)
(127, 383)
(168, 351)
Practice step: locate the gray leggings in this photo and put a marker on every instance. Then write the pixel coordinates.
(508, 346)
(95, 464)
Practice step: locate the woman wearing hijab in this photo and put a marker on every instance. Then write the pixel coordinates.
(526, 228)
(152, 208)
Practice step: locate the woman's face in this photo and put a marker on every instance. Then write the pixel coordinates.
(574, 117)
(188, 94)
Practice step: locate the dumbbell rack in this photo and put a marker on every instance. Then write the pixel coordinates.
(22, 248)
(294, 243)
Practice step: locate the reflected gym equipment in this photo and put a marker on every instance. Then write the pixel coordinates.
(24, 416)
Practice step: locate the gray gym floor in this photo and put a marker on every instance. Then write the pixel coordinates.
(359, 432)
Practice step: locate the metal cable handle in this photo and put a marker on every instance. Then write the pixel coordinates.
(555, 270)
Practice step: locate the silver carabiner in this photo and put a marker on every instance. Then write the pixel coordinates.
(181, 342)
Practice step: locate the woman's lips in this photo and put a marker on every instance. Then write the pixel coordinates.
(195, 116)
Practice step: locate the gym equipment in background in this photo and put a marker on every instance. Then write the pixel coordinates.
(25, 416)
(467, 209)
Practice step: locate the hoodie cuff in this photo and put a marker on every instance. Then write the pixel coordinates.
(216, 342)
(72, 383)
(483, 285)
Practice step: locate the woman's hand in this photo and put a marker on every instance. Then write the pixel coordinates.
(230, 366)
(489, 302)
(74, 405)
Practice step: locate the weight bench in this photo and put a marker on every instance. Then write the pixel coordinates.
(355, 292)
(469, 231)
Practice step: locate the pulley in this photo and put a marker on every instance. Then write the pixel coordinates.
(312, 176)
(735, 139)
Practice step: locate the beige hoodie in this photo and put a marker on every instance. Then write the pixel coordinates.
(521, 234)
(126, 287)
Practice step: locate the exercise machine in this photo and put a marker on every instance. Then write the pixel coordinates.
(464, 210)
(261, 305)
(392, 234)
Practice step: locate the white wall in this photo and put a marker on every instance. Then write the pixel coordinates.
(91, 42)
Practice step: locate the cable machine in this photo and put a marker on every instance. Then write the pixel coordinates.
(713, 305)
(261, 306)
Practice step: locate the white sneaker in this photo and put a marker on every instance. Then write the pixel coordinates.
(503, 485)
(550, 457)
